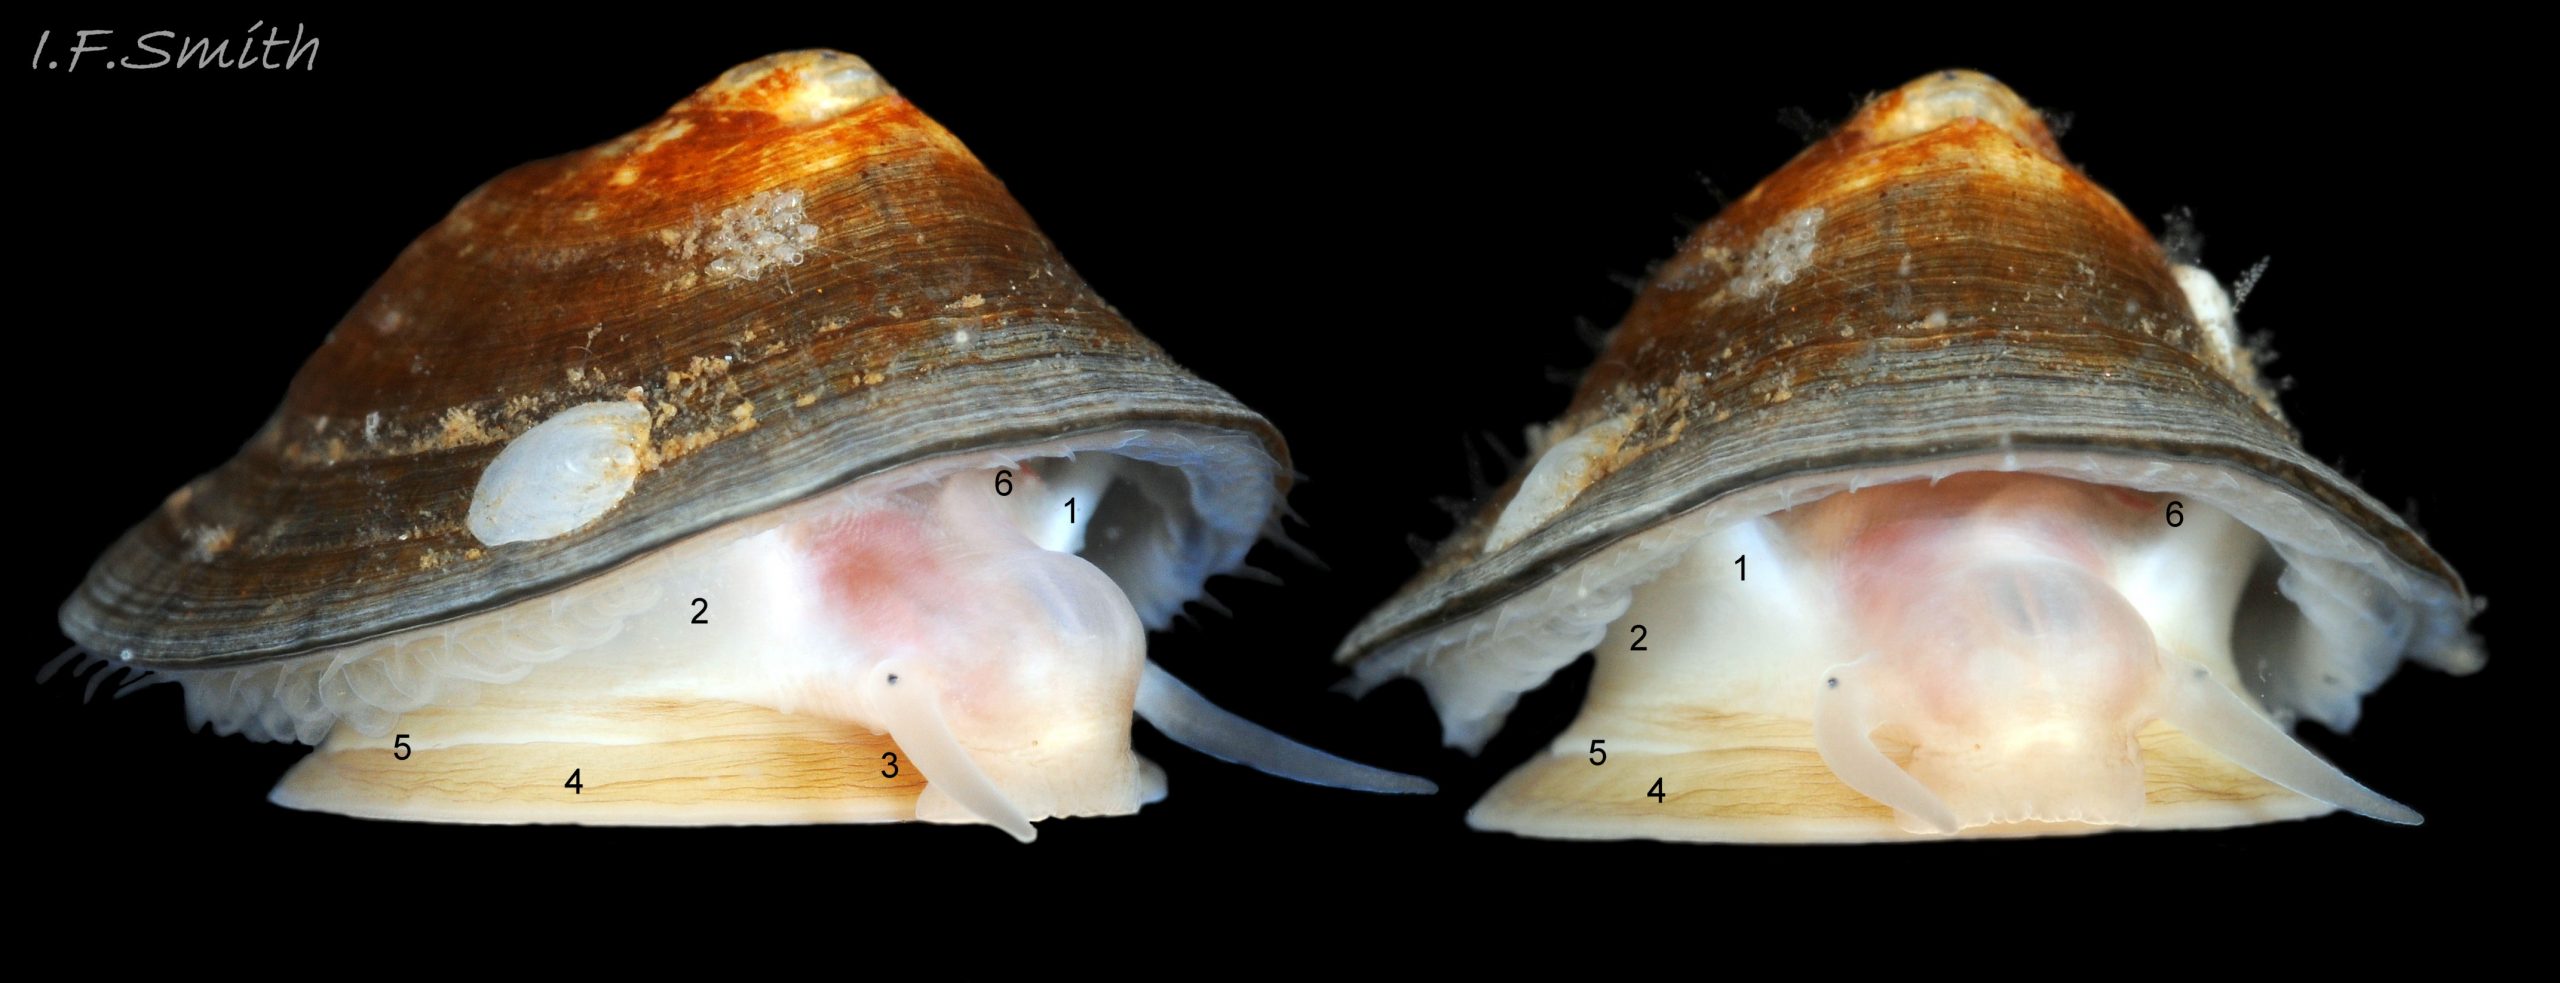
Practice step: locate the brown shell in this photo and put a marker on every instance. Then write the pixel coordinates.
(590, 277)
(1973, 292)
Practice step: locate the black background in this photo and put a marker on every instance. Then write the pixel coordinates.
(1379, 237)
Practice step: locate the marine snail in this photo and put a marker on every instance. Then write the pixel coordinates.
(1922, 494)
(763, 465)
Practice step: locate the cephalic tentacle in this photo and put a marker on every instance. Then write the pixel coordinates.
(902, 696)
(2219, 719)
(1843, 717)
(1190, 719)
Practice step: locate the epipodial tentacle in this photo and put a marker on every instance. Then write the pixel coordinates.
(1189, 718)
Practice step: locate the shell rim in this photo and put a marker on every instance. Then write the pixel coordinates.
(124, 651)
(1377, 633)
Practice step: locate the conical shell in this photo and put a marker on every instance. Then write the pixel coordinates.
(1933, 282)
(798, 276)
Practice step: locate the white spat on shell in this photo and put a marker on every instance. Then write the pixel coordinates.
(566, 472)
(1783, 252)
(768, 231)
